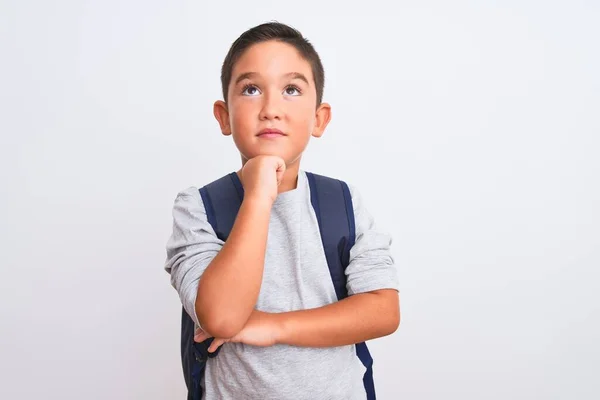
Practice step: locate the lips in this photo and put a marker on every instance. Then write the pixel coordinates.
(270, 133)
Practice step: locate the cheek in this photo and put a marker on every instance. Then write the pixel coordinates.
(241, 113)
(304, 117)
(237, 120)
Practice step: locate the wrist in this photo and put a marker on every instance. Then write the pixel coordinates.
(258, 200)
(281, 324)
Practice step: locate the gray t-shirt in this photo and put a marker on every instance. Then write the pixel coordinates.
(295, 277)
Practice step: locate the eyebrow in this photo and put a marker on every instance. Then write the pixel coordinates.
(292, 75)
(297, 75)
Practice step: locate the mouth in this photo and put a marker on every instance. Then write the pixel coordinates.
(270, 133)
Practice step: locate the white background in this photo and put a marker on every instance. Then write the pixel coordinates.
(471, 128)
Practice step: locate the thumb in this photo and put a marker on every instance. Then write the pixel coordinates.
(280, 170)
(200, 336)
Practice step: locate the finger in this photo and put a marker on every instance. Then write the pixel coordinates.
(215, 345)
(280, 165)
(200, 336)
(280, 170)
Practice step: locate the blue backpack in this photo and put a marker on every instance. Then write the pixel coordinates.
(332, 203)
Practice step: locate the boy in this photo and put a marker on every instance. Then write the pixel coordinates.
(265, 294)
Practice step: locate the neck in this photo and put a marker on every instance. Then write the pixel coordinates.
(290, 178)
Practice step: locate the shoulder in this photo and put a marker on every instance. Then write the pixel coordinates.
(354, 192)
(188, 205)
(329, 179)
(189, 196)
(363, 218)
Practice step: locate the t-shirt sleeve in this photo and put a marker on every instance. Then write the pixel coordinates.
(371, 262)
(190, 249)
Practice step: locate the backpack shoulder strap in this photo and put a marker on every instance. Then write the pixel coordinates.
(222, 200)
(332, 202)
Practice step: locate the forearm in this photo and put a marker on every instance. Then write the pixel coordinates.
(352, 320)
(229, 287)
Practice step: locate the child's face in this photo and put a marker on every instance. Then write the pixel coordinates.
(272, 87)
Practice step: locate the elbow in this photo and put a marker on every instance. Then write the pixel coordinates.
(395, 322)
(390, 308)
(218, 325)
(396, 316)
(391, 325)
(221, 328)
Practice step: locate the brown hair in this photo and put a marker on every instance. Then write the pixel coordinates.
(279, 32)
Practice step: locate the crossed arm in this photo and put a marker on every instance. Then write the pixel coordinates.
(352, 320)
(231, 283)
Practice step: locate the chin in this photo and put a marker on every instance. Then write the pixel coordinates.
(289, 159)
(269, 152)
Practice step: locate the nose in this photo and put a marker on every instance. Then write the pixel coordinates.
(271, 108)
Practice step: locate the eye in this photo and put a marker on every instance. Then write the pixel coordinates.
(292, 91)
(250, 90)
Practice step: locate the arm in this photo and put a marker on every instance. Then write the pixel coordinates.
(352, 320)
(219, 282)
(228, 275)
(372, 308)
(229, 287)
(231, 283)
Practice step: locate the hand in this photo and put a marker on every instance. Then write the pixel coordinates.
(262, 329)
(262, 175)
(201, 336)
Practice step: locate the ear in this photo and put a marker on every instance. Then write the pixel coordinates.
(323, 117)
(221, 112)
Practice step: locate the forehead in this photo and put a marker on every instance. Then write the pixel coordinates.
(271, 59)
